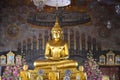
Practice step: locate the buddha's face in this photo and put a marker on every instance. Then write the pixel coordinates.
(57, 34)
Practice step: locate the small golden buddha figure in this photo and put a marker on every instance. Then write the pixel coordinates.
(56, 52)
(81, 75)
(54, 74)
(24, 74)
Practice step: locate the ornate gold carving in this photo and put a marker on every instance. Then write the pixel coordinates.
(10, 58)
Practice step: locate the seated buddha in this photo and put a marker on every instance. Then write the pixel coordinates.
(56, 52)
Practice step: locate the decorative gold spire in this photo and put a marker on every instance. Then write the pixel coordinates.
(56, 26)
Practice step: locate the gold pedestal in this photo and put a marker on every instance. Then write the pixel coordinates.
(61, 67)
(34, 73)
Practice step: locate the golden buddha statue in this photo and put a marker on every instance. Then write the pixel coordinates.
(81, 75)
(56, 52)
(24, 74)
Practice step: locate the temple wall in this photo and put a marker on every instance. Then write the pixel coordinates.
(9, 38)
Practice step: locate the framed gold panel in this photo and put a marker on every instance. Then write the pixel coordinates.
(18, 60)
(110, 58)
(102, 60)
(117, 59)
(10, 58)
(3, 60)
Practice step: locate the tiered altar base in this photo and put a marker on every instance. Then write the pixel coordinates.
(62, 73)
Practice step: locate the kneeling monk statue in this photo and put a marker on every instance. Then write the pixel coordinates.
(56, 52)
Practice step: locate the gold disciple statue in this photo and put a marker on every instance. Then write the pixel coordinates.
(56, 52)
(81, 75)
(54, 74)
(24, 74)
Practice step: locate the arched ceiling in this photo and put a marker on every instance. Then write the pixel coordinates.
(80, 5)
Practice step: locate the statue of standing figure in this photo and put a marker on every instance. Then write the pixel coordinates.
(24, 74)
(54, 74)
(81, 75)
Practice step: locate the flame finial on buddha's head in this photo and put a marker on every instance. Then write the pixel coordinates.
(56, 26)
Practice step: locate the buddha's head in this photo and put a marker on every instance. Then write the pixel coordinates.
(25, 67)
(56, 31)
(81, 68)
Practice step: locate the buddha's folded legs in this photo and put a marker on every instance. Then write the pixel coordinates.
(58, 64)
